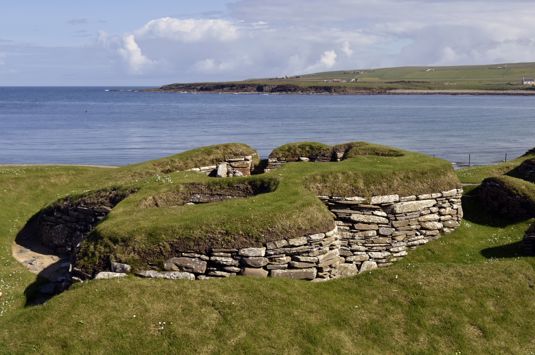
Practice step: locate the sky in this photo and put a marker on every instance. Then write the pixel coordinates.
(142, 42)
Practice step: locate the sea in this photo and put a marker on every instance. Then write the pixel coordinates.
(121, 125)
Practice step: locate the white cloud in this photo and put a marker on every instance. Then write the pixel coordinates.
(210, 65)
(189, 30)
(328, 59)
(133, 56)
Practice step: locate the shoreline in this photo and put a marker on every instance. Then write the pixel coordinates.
(393, 92)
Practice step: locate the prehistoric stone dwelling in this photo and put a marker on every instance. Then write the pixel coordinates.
(356, 233)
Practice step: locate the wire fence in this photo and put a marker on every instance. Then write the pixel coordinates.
(471, 159)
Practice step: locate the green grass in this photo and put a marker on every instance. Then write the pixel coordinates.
(475, 175)
(470, 292)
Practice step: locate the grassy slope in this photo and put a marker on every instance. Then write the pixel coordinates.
(477, 77)
(453, 77)
(469, 292)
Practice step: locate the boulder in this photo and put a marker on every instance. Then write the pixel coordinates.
(346, 270)
(367, 266)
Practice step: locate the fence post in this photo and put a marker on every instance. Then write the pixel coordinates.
(505, 161)
(469, 159)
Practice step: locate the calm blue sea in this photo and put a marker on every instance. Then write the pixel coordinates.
(121, 126)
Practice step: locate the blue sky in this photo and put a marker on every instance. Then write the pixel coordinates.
(136, 42)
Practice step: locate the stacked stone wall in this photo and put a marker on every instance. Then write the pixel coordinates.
(368, 234)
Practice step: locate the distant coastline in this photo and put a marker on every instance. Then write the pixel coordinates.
(285, 89)
(515, 79)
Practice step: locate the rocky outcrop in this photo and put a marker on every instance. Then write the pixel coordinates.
(369, 233)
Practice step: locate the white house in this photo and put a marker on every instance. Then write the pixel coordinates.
(528, 81)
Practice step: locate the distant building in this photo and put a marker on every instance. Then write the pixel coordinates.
(528, 81)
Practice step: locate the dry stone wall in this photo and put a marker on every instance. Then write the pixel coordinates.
(368, 234)
(238, 166)
(376, 232)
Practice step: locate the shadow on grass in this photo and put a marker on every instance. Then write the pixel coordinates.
(476, 212)
(54, 278)
(52, 281)
(512, 250)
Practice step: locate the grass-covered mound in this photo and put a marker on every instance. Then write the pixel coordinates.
(315, 151)
(294, 151)
(204, 156)
(142, 236)
(525, 171)
(508, 196)
(356, 149)
(506, 189)
(469, 293)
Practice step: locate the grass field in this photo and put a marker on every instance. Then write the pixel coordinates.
(496, 76)
(470, 292)
(486, 78)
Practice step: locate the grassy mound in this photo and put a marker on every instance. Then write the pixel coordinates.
(355, 149)
(294, 151)
(204, 156)
(322, 152)
(525, 171)
(530, 152)
(508, 196)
